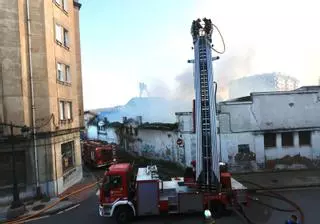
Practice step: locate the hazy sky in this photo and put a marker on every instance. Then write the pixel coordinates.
(125, 42)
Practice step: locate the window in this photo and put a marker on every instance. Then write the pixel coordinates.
(270, 140)
(59, 2)
(65, 38)
(287, 139)
(59, 33)
(68, 156)
(65, 5)
(244, 148)
(60, 72)
(115, 181)
(62, 36)
(304, 138)
(61, 110)
(65, 110)
(63, 72)
(68, 75)
(68, 108)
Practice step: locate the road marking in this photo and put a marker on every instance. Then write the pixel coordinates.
(41, 217)
(68, 209)
(75, 206)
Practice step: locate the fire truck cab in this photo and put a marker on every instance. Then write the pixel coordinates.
(97, 154)
(124, 195)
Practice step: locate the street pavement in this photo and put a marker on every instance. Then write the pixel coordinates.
(307, 199)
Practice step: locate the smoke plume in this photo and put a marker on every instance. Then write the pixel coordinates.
(159, 88)
(224, 70)
(185, 86)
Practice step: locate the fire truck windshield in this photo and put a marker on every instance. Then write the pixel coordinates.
(112, 182)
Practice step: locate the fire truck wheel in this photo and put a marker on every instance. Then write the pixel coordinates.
(217, 208)
(123, 215)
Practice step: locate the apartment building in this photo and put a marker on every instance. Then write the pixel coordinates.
(40, 88)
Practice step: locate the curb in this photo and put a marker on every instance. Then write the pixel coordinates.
(253, 190)
(49, 213)
(272, 171)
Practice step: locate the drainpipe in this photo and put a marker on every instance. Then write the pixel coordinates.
(38, 190)
(55, 168)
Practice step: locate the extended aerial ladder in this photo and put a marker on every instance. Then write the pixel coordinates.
(207, 155)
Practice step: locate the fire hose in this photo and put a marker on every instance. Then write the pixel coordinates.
(272, 195)
(22, 220)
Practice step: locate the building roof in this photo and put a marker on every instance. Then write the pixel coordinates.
(183, 113)
(301, 90)
(90, 112)
(264, 76)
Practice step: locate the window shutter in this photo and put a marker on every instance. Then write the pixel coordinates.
(59, 33)
(66, 38)
(59, 2)
(65, 5)
(61, 110)
(69, 110)
(68, 75)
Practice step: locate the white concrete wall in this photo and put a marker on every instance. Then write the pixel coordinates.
(246, 123)
(108, 135)
(273, 111)
(287, 111)
(157, 144)
(185, 121)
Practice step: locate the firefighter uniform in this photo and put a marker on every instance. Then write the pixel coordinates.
(293, 220)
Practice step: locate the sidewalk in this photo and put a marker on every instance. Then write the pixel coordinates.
(34, 207)
(281, 179)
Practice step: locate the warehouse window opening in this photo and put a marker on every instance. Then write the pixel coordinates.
(287, 139)
(68, 156)
(270, 140)
(305, 138)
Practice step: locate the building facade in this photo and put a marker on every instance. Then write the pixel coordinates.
(261, 83)
(41, 87)
(271, 130)
(186, 132)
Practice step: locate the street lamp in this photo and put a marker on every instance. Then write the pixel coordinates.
(15, 190)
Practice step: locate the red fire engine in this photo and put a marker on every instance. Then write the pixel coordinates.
(208, 185)
(97, 154)
(124, 195)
